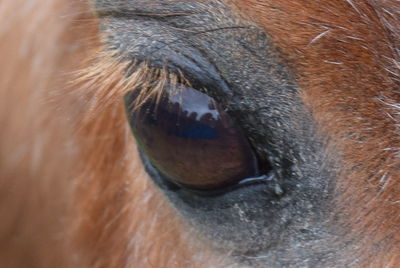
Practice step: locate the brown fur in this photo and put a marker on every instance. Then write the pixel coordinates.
(345, 55)
(73, 192)
(37, 50)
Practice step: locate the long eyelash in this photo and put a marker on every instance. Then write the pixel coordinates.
(109, 75)
(108, 78)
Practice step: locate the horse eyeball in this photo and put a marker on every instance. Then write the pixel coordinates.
(190, 139)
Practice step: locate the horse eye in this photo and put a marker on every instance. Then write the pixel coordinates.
(190, 139)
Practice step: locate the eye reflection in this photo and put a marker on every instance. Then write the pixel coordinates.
(190, 139)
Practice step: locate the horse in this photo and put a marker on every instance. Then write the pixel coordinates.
(200, 133)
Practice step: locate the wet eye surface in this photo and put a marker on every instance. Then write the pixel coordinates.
(189, 138)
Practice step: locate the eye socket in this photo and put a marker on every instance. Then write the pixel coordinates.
(191, 140)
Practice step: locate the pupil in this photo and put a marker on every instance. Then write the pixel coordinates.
(190, 139)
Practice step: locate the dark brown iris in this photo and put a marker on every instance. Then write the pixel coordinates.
(191, 140)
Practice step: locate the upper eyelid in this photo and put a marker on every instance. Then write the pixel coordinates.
(169, 44)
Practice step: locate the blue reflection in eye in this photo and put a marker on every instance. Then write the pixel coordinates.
(197, 131)
(188, 118)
